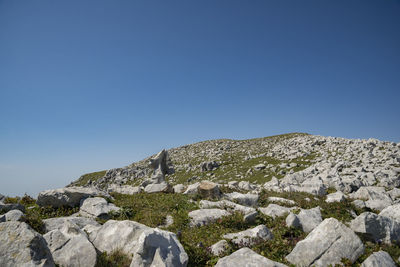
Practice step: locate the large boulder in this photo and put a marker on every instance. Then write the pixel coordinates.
(247, 257)
(70, 246)
(58, 223)
(117, 235)
(97, 207)
(250, 236)
(379, 259)
(206, 216)
(328, 243)
(20, 245)
(335, 197)
(375, 197)
(392, 212)
(156, 247)
(379, 228)
(67, 197)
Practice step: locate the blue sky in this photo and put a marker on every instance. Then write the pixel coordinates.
(92, 85)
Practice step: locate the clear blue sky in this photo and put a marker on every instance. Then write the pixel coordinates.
(92, 85)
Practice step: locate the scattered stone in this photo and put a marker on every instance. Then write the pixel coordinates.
(281, 200)
(169, 220)
(179, 188)
(192, 189)
(124, 189)
(205, 216)
(328, 243)
(379, 259)
(250, 236)
(67, 197)
(244, 199)
(359, 204)
(209, 166)
(70, 247)
(293, 221)
(97, 207)
(259, 167)
(219, 248)
(156, 247)
(20, 245)
(335, 197)
(309, 219)
(274, 210)
(380, 228)
(209, 189)
(247, 257)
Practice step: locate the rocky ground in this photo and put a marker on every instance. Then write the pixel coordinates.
(288, 200)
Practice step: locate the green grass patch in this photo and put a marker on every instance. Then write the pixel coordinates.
(84, 179)
(115, 259)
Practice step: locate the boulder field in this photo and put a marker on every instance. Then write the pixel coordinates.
(290, 200)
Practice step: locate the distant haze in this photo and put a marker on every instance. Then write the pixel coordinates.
(93, 85)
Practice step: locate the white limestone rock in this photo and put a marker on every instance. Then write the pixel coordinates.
(20, 245)
(97, 207)
(328, 243)
(379, 259)
(117, 235)
(219, 248)
(70, 246)
(206, 216)
(58, 222)
(380, 228)
(335, 197)
(243, 199)
(156, 247)
(392, 212)
(274, 210)
(250, 236)
(67, 197)
(247, 257)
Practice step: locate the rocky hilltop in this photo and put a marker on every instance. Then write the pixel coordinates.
(293, 199)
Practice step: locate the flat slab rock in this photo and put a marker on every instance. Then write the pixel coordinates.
(274, 210)
(328, 243)
(20, 245)
(250, 236)
(205, 216)
(67, 197)
(58, 223)
(247, 257)
(244, 199)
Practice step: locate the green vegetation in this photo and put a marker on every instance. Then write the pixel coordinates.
(84, 179)
(338, 210)
(114, 259)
